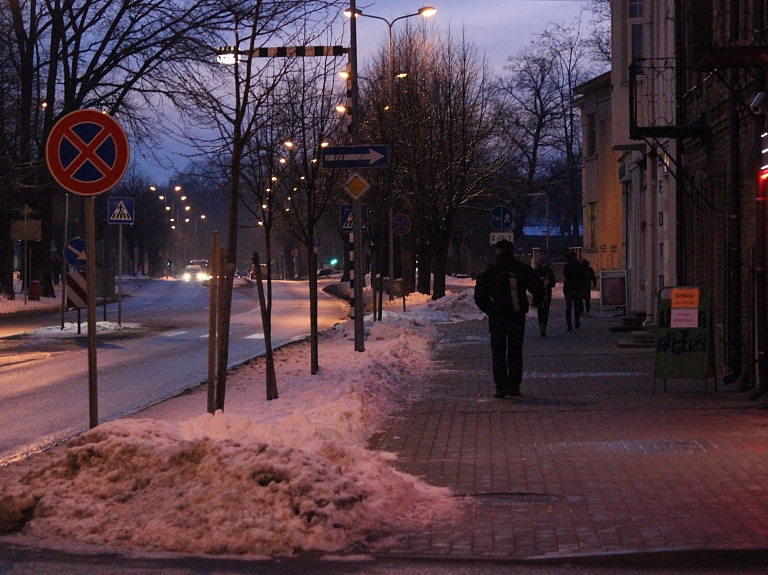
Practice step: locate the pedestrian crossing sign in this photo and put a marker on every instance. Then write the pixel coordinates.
(120, 210)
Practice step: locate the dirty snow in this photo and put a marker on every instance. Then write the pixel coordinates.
(262, 478)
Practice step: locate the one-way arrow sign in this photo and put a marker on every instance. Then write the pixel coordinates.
(356, 157)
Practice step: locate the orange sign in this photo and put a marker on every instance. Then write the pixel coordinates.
(356, 186)
(685, 298)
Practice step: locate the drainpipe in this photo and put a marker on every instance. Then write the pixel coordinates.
(680, 227)
(761, 253)
(761, 285)
(733, 280)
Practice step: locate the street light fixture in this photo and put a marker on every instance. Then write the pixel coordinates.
(424, 12)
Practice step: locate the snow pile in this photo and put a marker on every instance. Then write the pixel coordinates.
(159, 486)
(459, 307)
(263, 478)
(70, 329)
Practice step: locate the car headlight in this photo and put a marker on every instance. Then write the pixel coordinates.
(201, 277)
(187, 277)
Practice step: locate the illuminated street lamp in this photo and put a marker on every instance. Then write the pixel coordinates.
(424, 12)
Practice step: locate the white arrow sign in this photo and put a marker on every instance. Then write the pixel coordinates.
(371, 156)
(78, 254)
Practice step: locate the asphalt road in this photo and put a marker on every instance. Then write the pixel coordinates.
(44, 380)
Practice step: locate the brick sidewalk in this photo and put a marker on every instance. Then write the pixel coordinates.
(588, 460)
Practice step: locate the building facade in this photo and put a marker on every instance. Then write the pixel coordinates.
(601, 190)
(688, 119)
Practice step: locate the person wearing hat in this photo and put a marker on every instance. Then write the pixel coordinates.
(547, 276)
(500, 292)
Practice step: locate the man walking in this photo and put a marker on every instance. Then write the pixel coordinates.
(547, 276)
(500, 292)
(588, 281)
(572, 290)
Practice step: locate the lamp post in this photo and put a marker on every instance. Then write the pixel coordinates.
(424, 12)
(194, 244)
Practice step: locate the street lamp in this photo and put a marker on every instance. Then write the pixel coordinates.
(424, 12)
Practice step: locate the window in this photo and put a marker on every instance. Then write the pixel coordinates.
(591, 135)
(592, 224)
(637, 41)
(635, 8)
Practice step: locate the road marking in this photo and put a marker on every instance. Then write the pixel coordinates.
(174, 333)
(246, 313)
(535, 374)
(255, 336)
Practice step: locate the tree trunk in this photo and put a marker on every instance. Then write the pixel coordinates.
(266, 321)
(440, 245)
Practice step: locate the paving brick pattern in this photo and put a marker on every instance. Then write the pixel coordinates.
(589, 459)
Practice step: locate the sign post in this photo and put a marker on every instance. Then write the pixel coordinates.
(400, 225)
(87, 153)
(684, 336)
(120, 211)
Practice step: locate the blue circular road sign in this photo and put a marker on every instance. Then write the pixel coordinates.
(501, 218)
(74, 252)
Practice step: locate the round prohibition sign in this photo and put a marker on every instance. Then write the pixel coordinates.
(401, 224)
(87, 152)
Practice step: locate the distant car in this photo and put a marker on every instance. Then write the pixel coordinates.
(194, 272)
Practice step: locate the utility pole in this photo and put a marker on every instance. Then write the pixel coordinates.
(357, 241)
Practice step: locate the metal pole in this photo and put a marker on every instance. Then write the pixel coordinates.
(26, 256)
(213, 321)
(64, 261)
(90, 266)
(391, 85)
(104, 274)
(547, 203)
(358, 277)
(119, 276)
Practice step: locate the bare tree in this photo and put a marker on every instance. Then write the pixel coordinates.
(228, 103)
(73, 54)
(572, 65)
(530, 99)
(448, 136)
(599, 41)
(311, 122)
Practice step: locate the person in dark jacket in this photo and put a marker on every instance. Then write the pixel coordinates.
(547, 277)
(500, 292)
(572, 290)
(588, 281)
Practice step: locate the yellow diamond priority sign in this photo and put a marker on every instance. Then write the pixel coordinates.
(356, 186)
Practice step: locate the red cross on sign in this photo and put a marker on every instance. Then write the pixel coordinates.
(87, 152)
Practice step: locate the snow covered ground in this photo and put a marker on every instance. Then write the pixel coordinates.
(261, 478)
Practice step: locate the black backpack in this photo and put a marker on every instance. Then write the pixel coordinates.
(496, 288)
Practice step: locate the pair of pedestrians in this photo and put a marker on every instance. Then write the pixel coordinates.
(579, 278)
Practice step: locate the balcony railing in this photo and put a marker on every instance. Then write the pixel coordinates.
(652, 105)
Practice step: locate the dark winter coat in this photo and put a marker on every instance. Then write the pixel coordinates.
(547, 277)
(500, 289)
(572, 275)
(588, 279)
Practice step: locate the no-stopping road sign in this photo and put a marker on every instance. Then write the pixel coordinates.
(87, 152)
(401, 224)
